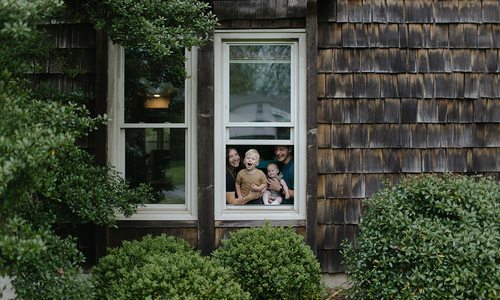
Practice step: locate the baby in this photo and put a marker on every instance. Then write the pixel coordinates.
(250, 178)
(274, 172)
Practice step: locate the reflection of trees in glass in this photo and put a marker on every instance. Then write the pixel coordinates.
(260, 68)
(145, 164)
(260, 78)
(260, 52)
(146, 75)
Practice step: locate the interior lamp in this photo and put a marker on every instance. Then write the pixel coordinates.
(157, 102)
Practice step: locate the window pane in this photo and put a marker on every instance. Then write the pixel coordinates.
(259, 133)
(264, 52)
(152, 93)
(267, 156)
(156, 156)
(259, 83)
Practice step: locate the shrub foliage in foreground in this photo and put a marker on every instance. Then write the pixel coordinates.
(40, 264)
(431, 237)
(271, 263)
(162, 267)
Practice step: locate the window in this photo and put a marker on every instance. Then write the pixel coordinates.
(151, 132)
(260, 102)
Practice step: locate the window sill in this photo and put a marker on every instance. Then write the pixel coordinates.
(259, 213)
(254, 223)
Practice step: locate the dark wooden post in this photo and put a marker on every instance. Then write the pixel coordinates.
(101, 102)
(311, 197)
(205, 121)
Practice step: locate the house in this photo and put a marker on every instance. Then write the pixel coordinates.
(366, 92)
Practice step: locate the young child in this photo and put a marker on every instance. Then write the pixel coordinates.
(250, 178)
(274, 172)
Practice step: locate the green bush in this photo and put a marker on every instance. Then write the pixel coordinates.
(41, 265)
(162, 268)
(430, 237)
(271, 263)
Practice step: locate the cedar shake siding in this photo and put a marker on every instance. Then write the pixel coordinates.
(78, 62)
(404, 87)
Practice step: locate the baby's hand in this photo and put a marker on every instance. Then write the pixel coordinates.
(270, 199)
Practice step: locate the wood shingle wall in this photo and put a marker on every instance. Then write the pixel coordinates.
(78, 63)
(258, 14)
(404, 87)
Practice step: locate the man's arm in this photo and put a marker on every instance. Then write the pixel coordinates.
(286, 190)
(275, 185)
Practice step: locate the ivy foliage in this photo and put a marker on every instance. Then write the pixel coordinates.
(271, 263)
(430, 237)
(162, 267)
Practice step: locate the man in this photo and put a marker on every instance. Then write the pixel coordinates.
(284, 155)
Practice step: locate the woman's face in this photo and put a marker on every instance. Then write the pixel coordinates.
(234, 158)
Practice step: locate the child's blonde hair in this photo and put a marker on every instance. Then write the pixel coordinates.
(253, 151)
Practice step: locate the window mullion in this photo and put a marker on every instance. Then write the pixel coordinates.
(154, 125)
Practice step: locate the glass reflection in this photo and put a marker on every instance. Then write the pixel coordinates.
(259, 83)
(259, 133)
(264, 52)
(152, 93)
(156, 156)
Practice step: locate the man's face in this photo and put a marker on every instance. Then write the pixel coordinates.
(282, 153)
(251, 161)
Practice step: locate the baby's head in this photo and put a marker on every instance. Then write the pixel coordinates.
(272, 170)
(252, 159)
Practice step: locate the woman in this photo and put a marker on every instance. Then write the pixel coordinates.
(233, 166)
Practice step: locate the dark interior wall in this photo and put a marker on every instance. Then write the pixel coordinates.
(404, 87)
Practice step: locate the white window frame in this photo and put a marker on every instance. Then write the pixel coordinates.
(297, 39)
(116, 136)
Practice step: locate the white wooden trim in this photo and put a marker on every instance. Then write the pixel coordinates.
(116, 136)
(154, 125)
(222, 40)
(116, 71)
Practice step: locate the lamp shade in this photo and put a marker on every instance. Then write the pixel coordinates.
(157, 102)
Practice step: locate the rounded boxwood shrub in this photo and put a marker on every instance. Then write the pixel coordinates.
(430, 237)
(271, 263)
(162, 267)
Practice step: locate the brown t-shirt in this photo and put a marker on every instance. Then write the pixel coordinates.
(245, 180)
